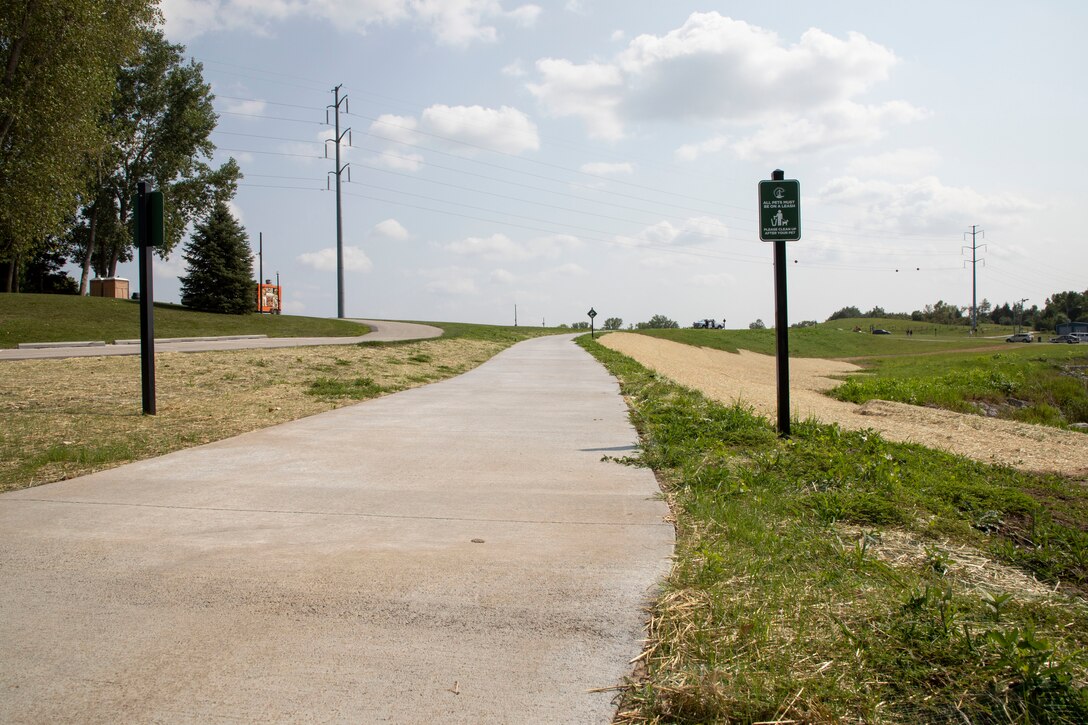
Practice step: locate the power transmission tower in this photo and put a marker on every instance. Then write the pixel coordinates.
(339, 136)
(975, 231)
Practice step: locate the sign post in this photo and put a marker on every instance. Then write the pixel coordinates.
(149, 234)
(592, 313)
(780, 222)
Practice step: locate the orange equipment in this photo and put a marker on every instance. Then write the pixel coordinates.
(269, 298)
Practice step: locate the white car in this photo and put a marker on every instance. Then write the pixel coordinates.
(1020, 337)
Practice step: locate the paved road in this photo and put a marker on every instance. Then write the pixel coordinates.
(381, 331)
(453, 553)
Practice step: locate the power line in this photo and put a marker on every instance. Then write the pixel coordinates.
(268, 103)
(338, 171)
(974, 273)
(272, 118)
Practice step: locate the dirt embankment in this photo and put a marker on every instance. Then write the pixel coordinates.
(751, 378)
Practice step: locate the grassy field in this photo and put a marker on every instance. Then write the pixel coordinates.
(837, 577)
(838, 340)
(937, 366)
(65, 418)
(1034, 383)
(66, 318)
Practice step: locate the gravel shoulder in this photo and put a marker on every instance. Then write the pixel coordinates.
(750, 378)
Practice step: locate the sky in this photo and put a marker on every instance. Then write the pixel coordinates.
(557, 156)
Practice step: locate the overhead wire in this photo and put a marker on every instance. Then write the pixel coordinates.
(813, 226)
(816, 226)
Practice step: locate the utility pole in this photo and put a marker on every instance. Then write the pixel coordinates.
(975, 231)
(260, 272)
(515, 315)
(335, 107)
(1020, 317)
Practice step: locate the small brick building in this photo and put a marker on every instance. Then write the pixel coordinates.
(110, 287)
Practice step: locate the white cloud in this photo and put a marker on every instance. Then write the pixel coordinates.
(236, 211)
(399, 161)
(844, 124)
(923, 205)
(592, 91)
(526, 15)
(251, 107)
(661, 261)
(514, 69)
(324, 260)
(718, 70)
(568, 270)
(618, 36)
(499, 247)
(456, 23)
(902, 163)
(391, 229)
(697, 230)
(503, 276)
(457, 129)
(691, 152)
(454, 281)
(722, 279)
(173, 267)
(603, 168)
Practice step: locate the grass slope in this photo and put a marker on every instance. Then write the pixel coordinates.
(836, 339)
(65, 318)
(787, 602)
(1034, 383)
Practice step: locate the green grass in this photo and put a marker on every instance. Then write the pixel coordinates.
(784, 603)
(354, 389)
(65, 318)
(492, 333)
(835, 339)
(1039, 383)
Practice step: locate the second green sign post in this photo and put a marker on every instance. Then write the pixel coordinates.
(780, 222)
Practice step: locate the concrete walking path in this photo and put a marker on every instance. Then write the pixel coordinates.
(455, 553)
(380, 331)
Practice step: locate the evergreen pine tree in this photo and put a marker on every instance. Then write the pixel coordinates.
(220, 277)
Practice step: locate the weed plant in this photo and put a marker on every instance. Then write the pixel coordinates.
(1047, 387)
(782, 606)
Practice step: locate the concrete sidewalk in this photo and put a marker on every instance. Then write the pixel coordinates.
(453, 553)
(380, 331)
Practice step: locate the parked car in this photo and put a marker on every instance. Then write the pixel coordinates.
(879, 331)
(1071, 339)
(1020, 337)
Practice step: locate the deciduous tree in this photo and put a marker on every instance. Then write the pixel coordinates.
(657, 322)
(159, 129)
(58, 60)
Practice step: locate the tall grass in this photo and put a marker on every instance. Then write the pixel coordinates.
(1048, 387)
(788, 602)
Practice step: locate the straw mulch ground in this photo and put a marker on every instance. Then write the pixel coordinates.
(750, 378)
(66, 418)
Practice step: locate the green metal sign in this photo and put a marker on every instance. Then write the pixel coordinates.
(780, 210)
(149, 232)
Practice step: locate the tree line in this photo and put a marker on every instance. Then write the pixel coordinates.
(1059, 308)
(94, 99)
(657, 322)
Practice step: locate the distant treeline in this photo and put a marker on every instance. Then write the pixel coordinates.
(1060, 308)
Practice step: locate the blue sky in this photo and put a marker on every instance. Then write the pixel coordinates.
(562, 155)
